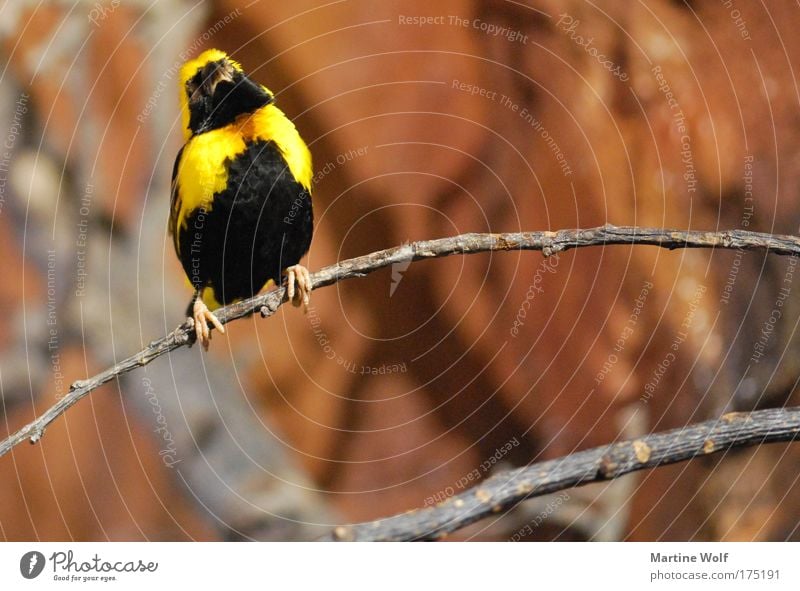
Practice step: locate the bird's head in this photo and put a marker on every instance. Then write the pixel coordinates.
(215, 90)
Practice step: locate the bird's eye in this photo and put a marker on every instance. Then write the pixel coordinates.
(192, 86)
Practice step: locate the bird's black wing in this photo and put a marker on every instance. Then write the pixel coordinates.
(175, 202)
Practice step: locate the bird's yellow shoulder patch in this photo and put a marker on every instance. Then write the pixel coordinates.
(271, 124)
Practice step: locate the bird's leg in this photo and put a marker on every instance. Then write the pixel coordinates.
(300, 275)
(201, 316)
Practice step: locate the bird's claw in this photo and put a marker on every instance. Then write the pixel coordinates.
(202, 316)
(302, 294)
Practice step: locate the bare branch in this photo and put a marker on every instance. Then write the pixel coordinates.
(547, 242)
(505, 490)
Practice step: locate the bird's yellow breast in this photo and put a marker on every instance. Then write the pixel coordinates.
(203, 167)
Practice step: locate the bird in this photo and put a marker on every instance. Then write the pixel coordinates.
(241, 213)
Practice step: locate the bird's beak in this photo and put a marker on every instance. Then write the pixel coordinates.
(214, 73)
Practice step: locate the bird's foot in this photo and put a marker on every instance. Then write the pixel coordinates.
(201, 317)
(302, 294)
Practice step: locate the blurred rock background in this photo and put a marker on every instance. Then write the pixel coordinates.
(402, 388)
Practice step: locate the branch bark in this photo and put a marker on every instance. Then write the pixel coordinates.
(548, 242)
(503, 491)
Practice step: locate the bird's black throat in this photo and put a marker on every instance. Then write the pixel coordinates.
(229, 100)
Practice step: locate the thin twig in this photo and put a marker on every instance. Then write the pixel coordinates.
(504, 490)
(547, 242)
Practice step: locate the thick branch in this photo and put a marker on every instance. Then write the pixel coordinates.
(548, 242)
(505, 490)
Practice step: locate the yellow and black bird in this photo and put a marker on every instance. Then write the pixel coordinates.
(241, 212)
